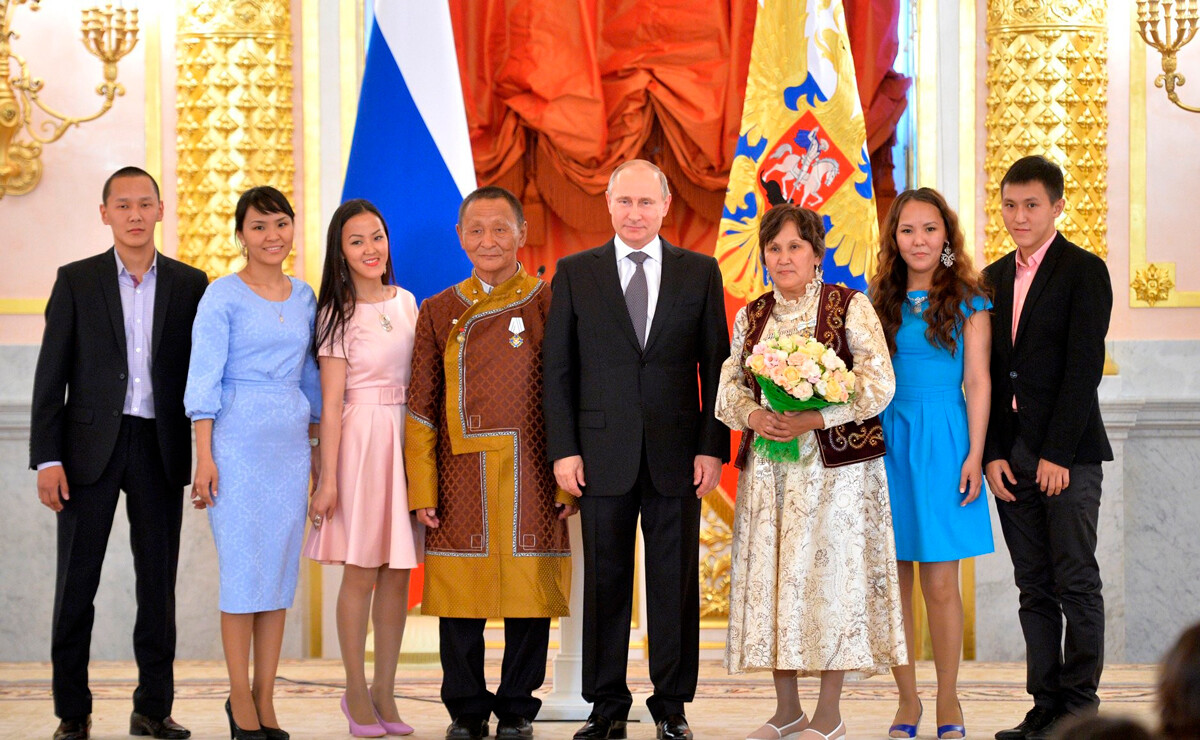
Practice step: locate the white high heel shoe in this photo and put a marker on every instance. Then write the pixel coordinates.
(790, 731)
(811, 734)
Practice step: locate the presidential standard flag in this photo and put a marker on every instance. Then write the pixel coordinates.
(803, 140)
(411, 153)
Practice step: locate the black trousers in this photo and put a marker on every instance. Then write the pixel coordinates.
(1052, 542)
(464, 689)
(155, 510)
(671, 531)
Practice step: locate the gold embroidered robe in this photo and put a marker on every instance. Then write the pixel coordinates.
(475, 449)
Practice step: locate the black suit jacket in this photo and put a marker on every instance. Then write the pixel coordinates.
(605, 396)
(1055, 365)
(81, 379)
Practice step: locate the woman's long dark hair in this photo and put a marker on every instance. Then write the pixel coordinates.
(337, 298)
(952, 286)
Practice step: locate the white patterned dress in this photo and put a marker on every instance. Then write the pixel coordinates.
(814, 562)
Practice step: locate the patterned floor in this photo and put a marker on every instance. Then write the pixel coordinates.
(726, 707)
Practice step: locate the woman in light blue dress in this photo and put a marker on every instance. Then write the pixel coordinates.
(253, 393)
(933, 309)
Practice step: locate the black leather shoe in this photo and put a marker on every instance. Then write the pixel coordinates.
(467, 727)
(674, 727)
(73, 729)
(599, 727)
(513, 728)
(1052, 730)
(274, 733)
(1036, 719)
(167, 728)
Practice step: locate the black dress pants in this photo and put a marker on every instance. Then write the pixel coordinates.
(464, 689)
(1052, 542)
(671, 532)
(155, 510)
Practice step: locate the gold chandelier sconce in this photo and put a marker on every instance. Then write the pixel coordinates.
(109, 34)
(1178, 22)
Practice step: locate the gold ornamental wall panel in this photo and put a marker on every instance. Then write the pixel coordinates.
(235, 119)
(716, 557)
(1047, 82)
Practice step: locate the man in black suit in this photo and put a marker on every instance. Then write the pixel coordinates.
(633, 351)
(108, 416)
(1046, 441)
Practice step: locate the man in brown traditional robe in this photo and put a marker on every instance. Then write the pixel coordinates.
(496, 541)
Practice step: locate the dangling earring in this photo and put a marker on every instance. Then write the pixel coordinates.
(345, 271)
(819, 273)
(947, 255)
(242, 248)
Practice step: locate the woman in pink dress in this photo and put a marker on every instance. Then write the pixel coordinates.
(359, 511)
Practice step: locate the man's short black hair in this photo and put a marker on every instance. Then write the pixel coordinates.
(493, 192)
(1036, 168)
(130, 171)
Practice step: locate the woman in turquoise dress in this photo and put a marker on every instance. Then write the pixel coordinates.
(253, 394)
(934, 313)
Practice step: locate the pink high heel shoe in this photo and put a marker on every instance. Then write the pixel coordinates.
(392, 728)
(372, 730)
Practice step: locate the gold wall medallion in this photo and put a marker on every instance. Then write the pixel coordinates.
(1047, 82)
(1153, 283)
(235, 119)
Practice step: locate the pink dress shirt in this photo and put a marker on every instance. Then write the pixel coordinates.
(1026, 270)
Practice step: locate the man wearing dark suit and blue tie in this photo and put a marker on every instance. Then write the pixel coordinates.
(1046, 441)
(107, 416)
(634, 344)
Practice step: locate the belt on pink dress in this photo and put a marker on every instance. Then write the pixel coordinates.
(385, 396)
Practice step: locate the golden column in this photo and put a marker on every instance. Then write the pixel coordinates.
(234, 102)
(1047, 82)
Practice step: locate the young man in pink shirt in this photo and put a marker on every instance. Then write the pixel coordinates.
(1046, 441)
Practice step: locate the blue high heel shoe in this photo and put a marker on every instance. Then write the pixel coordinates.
(910, 731)
(960, 729)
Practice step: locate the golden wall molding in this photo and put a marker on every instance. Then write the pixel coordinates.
(22, 306)
(1047, 80)
(310, 89)
(1151, 284)
(716, 557)
(152, 31)
(235, 119)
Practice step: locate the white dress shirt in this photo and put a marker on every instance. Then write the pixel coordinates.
(652, 267)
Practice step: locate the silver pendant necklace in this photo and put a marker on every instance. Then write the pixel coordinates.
(918, 303)
(384, 320)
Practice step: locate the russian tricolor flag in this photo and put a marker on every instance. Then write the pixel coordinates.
(411, 153)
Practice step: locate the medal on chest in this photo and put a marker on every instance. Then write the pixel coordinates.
(516, 326)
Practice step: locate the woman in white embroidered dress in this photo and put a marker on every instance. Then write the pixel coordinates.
(815, 589)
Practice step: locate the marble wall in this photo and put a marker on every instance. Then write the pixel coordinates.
(27, 556)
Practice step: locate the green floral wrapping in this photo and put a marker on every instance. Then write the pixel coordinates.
(781, 401)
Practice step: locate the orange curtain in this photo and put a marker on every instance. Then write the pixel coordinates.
(872, 27)
(558, 92)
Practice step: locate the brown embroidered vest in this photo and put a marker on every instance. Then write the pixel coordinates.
(847, 443)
